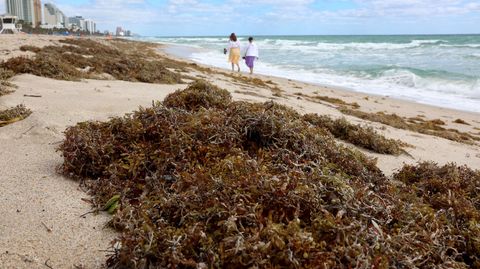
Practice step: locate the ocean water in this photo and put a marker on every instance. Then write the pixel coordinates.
(439, 70)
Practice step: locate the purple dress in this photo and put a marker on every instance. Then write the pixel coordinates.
(250, 61)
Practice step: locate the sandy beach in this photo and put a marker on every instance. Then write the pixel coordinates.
(40, 221)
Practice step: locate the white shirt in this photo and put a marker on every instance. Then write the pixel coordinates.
(233, 44)
(252, 50)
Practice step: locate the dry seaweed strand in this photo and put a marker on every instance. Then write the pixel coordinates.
(208, 184)
(17, 113)
(432, 127)
(362, 136)
(256, 82)
(5, 86)
(47, 65)
(4, 89)
(85, 58)
(5, 74)
(328, 99)
(30, 48)
(14, 114)
(148, 50)
(460, 121)
(250, 93)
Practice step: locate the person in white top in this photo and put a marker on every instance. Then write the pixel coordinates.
(251, 54)
(234, 49)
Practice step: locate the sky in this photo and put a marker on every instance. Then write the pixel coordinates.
(278, 17)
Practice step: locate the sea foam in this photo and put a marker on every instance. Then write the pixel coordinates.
(436, 70)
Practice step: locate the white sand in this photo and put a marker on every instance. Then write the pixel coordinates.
(10, 44)
(34, 195)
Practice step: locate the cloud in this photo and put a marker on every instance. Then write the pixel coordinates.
(109, 11)
(291, 3)
(198, 9)
(190, 16)
(402, 8)
(357, 11)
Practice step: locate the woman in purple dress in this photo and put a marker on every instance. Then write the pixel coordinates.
(251, 54)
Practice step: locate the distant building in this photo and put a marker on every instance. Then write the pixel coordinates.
(90, 26)
(82, 24)
(54, 17)
(15, 8)
(120, 31)
(37, 10)
(29, 11)
(77, 22)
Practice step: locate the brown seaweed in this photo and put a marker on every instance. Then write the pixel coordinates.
(14, 114)
(430, 127)
(208, 184)
(6, 87)
(460, 121)
(85, 58)
(199, 94)
(365, 137)
(30, 48)
(6, 74)
(328, 99)
(48, 66)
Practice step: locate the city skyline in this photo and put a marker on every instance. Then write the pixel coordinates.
(268, 17)
(30, 11)
(26, 10)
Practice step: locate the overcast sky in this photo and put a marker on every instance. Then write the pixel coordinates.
(277, 17)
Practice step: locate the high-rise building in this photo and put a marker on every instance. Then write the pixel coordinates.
(29, 11)
(15, 8)
(37, 11)
(77, 22)
(119, 31)
(54, 17)
(90, 26)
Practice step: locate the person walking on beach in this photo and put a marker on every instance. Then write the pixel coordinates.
(251, 54)
(234, 52)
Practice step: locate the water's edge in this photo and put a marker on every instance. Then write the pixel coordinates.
(427, 71)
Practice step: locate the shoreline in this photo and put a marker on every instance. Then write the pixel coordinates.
(395, 82)
(426, 148)
(179, 52)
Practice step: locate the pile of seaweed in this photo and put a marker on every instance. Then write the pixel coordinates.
(13, 114)
(85, 58)
(201, 181)
(5, 85)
